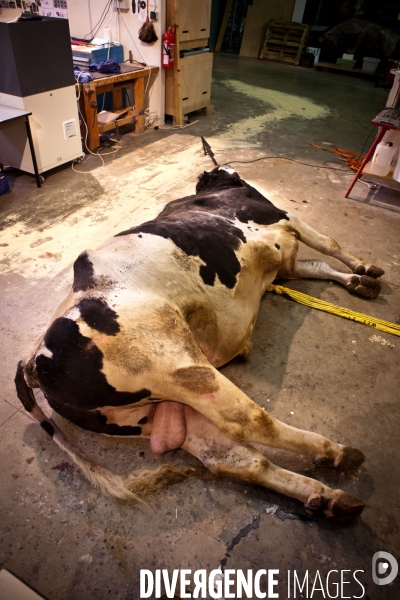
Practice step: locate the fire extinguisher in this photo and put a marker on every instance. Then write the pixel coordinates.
(168, 47)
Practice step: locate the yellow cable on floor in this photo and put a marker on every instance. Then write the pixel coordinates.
(379, 324)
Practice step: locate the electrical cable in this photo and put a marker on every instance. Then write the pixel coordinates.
(365, 143)
(101, 20)
(303, 163)
(85, 143)
(283, 158)
(359, 180)
(129, 33)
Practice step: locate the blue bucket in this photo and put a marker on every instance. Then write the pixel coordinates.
(4, 187)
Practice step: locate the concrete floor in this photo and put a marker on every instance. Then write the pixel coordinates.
(308, 368)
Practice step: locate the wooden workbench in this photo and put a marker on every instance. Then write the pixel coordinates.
(130, 76)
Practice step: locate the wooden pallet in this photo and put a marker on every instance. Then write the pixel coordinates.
(284, 41)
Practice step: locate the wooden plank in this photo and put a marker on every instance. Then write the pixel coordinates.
(388, 178)
(117, 99)
(121, 77)
(258, 14)
(178, 110)
(90, 114)
(120, 122)
(281, 48)
(138, 92)
(223, 26)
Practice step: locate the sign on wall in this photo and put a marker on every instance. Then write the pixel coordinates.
(47, 8)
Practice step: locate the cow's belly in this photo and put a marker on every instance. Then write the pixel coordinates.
(221, 318)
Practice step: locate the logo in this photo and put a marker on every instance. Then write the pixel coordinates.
(385, 564)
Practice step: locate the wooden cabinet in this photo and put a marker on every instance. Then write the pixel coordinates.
(188, 85)
(194, 21)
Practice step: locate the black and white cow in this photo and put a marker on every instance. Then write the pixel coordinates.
(134, 349)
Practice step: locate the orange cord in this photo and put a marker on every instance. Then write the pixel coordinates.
(352, 159)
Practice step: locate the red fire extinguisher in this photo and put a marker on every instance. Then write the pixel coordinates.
(168, 47)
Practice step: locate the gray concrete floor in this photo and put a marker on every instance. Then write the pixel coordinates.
(308, 368)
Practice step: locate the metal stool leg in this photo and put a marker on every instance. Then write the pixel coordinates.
(378, 138)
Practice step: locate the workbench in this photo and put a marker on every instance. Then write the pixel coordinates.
(130, 76)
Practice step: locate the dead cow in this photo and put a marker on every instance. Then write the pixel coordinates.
(134, 349)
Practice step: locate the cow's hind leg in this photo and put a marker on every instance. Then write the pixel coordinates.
(327, 245)
(242, 420)
(361, 285)
(223, 456)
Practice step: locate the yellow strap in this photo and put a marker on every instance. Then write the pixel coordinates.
(379, 324)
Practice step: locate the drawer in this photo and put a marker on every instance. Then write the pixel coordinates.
(196, 75)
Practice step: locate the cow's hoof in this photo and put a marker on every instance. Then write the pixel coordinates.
(344, 505)
(350, 459)
(315, 503)
(369, 270)
(364, 286)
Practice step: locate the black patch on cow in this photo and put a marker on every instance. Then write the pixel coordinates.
(24, 392)
(143, 421)
(72, 376)
(93, 420)
(218, 179)
(99, 316)
(238, 201)
(213, 238)
(83, 273)
(203, 225)
(48, 427)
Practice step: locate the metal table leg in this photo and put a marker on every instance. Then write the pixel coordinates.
(33, 154)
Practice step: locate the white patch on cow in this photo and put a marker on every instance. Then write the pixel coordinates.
(45, 351)
(227, 169)
(73, 314)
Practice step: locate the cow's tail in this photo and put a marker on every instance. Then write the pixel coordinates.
(132, 487)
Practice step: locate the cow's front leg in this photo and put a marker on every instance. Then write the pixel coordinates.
(225, 457)
(207, 391)
(327, 245)
(361, 285)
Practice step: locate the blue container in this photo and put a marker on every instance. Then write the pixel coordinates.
(4, 187)
(85, 56)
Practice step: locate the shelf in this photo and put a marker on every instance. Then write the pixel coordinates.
(386, 180)
(325, 66)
